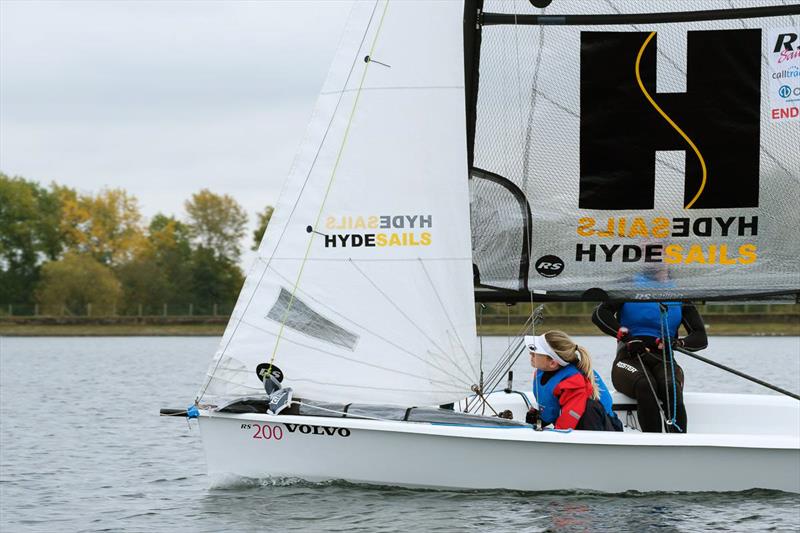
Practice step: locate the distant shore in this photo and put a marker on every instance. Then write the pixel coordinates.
(117, 326)
(726, 325)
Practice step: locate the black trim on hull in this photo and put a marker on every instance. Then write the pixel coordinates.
(489, 19)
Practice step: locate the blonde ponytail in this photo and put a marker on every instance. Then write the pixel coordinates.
(570, 352)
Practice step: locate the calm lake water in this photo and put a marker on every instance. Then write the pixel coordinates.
(82, 448)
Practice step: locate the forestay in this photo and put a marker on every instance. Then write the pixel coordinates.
(650, 157)
(362, 291)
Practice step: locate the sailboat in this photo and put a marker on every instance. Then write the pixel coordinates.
(499, 151)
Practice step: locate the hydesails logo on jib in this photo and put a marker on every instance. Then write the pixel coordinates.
(368, 231)
(625, 120)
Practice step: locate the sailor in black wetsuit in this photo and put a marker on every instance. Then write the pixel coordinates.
(639, 368)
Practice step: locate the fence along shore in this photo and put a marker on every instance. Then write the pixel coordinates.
(494, 319)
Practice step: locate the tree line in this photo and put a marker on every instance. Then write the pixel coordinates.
(63, 250)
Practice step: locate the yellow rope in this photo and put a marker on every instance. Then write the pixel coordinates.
(327, 190)
(671, 123)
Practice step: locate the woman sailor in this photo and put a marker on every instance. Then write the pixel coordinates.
(644, 368)
(569, 393)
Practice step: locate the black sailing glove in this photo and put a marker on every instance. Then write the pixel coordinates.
(532, 416)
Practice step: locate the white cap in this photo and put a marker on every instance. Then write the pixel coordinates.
(539, 344)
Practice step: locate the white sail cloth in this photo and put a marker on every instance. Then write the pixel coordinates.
(376, 304)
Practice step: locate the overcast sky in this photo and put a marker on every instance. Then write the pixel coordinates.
(162, 98)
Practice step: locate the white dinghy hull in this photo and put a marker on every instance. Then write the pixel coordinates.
(518, 458)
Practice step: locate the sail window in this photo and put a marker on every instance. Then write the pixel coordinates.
(301, 318)
(501, 220)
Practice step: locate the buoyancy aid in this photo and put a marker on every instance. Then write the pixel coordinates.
(549, 406)
(643, 319)
(605, 396)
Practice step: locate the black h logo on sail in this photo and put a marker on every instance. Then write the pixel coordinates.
(621, 129)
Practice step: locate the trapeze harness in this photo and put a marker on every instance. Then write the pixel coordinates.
(659, 320)
(652, 322)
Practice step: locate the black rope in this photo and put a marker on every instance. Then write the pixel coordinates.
(507, 361)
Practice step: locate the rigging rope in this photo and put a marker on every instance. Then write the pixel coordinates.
(509, 358)
(506, 357)
(652, 388)
(503, 361)
(667, 340)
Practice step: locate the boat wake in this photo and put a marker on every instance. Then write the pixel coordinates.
(234, 482)
(231, 482)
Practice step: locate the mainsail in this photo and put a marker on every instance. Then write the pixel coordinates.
(362, 290)
(634, 150)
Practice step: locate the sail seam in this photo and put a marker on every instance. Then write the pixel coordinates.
(671, 122)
